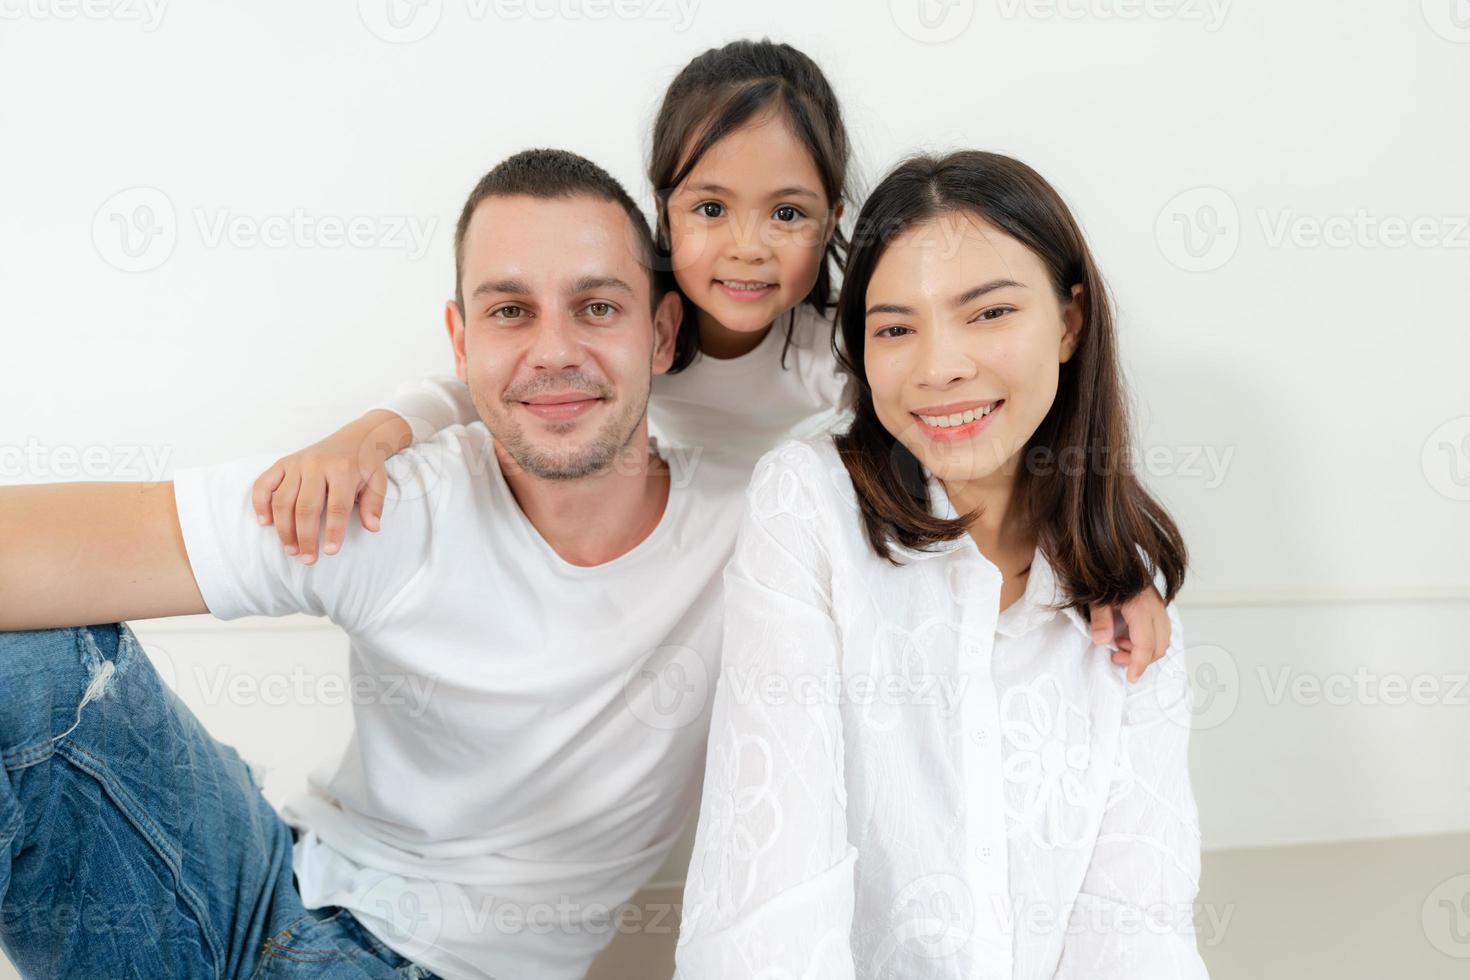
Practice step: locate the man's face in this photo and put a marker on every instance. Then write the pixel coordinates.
(557, 341)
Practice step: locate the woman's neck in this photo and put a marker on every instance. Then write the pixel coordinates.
(997, 529)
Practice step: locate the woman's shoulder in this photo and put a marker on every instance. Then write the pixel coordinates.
(803, 479)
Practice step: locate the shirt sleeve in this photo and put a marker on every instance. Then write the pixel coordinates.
(432, 404)
(242, 570)
(1134, 916)
(770, 888)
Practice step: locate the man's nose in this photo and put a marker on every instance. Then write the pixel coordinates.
(554, 343)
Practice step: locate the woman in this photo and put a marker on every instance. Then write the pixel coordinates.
(918, 767)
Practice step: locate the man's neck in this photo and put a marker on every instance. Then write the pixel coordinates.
(595, 519)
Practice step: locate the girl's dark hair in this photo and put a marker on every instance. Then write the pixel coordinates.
(717, 93)
(1076, 485)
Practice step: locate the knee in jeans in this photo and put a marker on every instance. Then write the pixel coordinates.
(38, 668)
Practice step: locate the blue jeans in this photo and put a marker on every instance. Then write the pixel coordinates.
(134, 845)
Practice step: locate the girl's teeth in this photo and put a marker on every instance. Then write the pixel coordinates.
(745, 285)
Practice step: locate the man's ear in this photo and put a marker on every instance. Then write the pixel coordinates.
(454, 323)
(1072, 323)
(667, 317)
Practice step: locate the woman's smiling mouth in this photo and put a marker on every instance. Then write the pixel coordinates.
(959, 420)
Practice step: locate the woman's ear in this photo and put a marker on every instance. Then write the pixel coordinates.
(1072, 323)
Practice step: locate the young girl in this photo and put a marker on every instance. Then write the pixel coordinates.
(916, 767)
(749, 169)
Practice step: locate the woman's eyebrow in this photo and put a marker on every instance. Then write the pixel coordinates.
(970, 295)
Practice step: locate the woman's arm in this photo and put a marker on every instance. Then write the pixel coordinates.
(770, 886)
(1134, 916)
(329, 476)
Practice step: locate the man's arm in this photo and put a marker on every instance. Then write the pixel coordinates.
(74, 554)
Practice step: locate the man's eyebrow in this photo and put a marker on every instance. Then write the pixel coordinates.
(792, 191)
(489, 287)
(588, 284)
(968, 296)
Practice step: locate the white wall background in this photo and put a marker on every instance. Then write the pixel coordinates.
(1279, 192)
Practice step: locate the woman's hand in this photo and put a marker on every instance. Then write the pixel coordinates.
(1139, 628)
(330, 475)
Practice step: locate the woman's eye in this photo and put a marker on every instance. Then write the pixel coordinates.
(891, 331)
(994, 313)
(787, 213)
(712, 209)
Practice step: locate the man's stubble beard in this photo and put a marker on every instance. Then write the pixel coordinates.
(611, 439)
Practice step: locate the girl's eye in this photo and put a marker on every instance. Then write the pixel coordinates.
(507, 313)
(787, 213)
(995, 313)
(711, 209)
(888, 331)
(600, 309)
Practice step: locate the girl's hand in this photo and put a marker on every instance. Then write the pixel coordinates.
(1139, 627)
(345, 467)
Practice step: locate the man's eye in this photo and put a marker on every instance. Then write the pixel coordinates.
(507, 313)
(712, 209)
(600, 310)
(788, 213)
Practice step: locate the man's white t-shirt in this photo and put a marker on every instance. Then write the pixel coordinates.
(529, 733)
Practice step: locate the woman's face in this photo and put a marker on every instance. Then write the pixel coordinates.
(749, 225)
(965, 338)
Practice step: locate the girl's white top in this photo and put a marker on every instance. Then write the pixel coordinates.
(903, 781)
(742, 406)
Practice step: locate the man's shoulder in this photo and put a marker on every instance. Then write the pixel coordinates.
(428, 472)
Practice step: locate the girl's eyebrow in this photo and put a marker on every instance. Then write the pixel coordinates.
(792, 191)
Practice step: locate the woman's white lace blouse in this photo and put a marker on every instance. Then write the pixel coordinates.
(902, 781)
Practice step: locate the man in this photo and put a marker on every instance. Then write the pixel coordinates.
(555, 587)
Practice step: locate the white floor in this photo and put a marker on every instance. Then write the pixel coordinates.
(1362, 910)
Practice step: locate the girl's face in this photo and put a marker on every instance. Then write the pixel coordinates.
(749, 225)
(964, 341)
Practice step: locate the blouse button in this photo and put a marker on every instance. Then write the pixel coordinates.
(980, 735)
(984, 854)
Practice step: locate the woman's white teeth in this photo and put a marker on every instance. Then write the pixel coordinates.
(959, 418)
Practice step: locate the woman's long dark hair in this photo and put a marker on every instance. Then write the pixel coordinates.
(717, 93)
(1076, 486)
